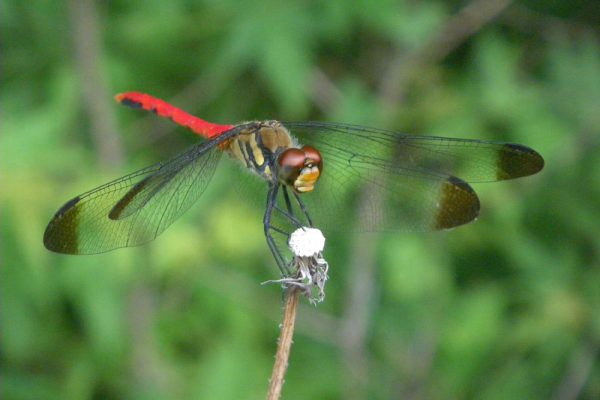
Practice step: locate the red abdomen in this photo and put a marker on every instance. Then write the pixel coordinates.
(164, 109)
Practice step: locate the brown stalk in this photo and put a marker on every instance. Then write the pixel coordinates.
(284, 344)
(87, 27)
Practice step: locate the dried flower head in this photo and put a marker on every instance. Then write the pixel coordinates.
(309, 266)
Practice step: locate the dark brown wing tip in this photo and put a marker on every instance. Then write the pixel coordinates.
(61, 233)
(458, 204)
(515, 161)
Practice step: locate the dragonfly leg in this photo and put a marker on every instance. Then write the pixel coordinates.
(289, 214)
(286, 196)
(271, 204)
(279, 230)
(303, 208)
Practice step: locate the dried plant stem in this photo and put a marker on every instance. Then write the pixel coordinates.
(284, 344)
(87, 29)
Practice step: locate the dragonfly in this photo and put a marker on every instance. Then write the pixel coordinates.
(315, 172)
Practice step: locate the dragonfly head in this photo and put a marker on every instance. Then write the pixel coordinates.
(300, 168)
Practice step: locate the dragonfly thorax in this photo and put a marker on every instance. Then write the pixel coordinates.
(268, 149)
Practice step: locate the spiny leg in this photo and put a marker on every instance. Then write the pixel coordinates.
(302, 208)
(286, 196)
(271, 204)
(289, 214)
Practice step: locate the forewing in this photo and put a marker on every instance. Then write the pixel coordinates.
(134, 209)
(471, 160)
(403, 182)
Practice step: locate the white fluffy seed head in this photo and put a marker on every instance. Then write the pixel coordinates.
(306, 242)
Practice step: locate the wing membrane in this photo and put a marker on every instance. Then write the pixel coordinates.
(403, 182)
(472, 160)
(134, 209)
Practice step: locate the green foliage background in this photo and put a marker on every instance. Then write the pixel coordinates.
(505, 308)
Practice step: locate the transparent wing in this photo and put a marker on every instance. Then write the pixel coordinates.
(472, 160)
(403, 182)
(134, 209)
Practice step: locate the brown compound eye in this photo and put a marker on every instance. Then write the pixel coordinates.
(291, 162)
(292, 158)
(314, 155)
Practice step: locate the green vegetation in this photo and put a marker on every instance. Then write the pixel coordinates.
(505, 308)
